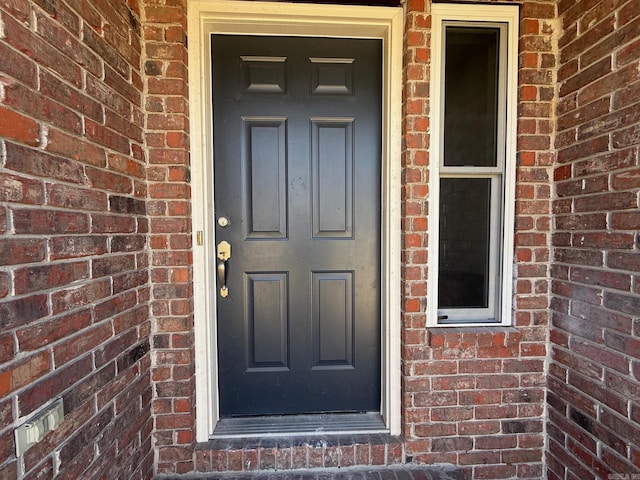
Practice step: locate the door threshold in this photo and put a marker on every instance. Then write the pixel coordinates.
(289, 425)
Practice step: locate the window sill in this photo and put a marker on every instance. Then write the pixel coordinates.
(447, 336)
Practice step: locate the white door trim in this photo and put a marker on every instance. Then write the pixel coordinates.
(206, 17)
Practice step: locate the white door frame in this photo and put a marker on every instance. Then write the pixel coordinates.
(206, 17)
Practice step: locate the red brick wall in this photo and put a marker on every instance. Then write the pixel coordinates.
(594, 387)
(475, 396)
(169, 208)
(74, 292)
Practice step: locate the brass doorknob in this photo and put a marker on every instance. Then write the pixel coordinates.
(224, 254)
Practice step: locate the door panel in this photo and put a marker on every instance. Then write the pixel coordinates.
(267, 321)
(297, 172)
(265, 182)
(332, 308)
(332, 164)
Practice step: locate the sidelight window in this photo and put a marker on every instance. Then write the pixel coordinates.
(474, 83)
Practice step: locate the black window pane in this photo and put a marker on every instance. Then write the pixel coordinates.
(471, 96)
(465, 209)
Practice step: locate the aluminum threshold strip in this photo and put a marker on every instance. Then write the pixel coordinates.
(289, 425)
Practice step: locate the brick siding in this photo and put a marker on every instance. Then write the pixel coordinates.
(169, 208)
(594, 414)
(74, 286)
(474, 397)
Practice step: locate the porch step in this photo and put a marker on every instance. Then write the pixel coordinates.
(299, 452)
(391, 472)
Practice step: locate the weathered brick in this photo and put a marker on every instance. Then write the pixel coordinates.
(103, 223)
(164, 14)
(14, 313)
(39, 50)
(71, 147)
(120, 204)
(51, 386)
(128, 243)
(38, 163)
(14, 251)
(112, 265)
(626, 220)
(36, 336)
(75, 297)
(49, 222)
(25, 372)
(76, 246)
(44, 277)
(107, 137)
(105, 52)
(115, 82)
(126, 165)
(104, 94)
(17, 66)
(76, 446)
(119, 123)
(114, 306)
(3, 220)
(18, 127)
(65, 196)
(65, 15)
(70, 97)
(43, 108)
(4, 284)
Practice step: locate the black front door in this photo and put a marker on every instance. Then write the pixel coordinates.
(297, 161)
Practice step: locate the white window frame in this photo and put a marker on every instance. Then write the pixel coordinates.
(505, 17)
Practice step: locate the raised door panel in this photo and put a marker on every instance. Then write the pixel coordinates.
(267, 320)
(332, 166)
(332, 317)
(264, 162)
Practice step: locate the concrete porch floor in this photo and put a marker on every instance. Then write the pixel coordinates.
(394, 472)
